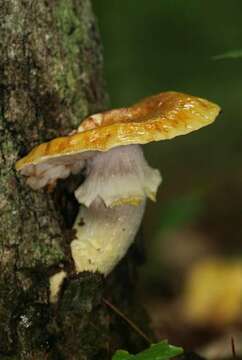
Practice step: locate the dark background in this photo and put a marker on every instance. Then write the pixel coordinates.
(153, 46)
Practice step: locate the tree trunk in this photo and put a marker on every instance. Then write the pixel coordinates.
(50, 78)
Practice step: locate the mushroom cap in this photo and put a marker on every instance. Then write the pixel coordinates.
(154, 118)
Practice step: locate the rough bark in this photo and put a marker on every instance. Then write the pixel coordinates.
(50, 78)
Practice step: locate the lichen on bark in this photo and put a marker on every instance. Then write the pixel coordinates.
(82, 63)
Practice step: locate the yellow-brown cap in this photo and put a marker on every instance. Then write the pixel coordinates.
(155, 118)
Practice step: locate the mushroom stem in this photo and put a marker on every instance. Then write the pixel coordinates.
(114, 194)
(103, 235)
(119, 176)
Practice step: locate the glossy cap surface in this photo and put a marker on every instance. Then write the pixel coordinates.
(159, 117)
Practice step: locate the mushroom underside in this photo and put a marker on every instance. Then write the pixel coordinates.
(119, 176)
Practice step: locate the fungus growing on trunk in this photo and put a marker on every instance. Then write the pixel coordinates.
(118, 178)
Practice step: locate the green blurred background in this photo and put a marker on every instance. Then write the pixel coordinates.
(153, 46)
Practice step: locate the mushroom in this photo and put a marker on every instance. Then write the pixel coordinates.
(118, 178)
(56, 281)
